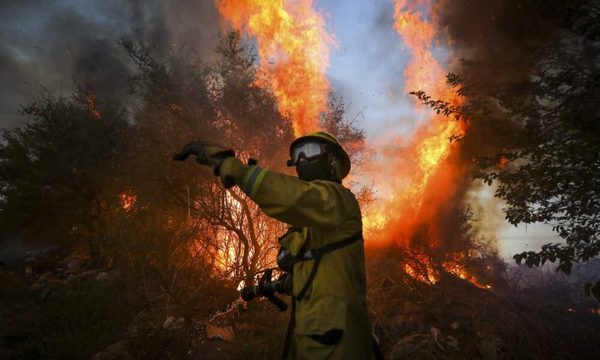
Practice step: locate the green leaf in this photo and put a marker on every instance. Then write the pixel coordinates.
(565, 268)
(518, 258)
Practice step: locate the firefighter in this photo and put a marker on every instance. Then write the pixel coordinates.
(323, 250)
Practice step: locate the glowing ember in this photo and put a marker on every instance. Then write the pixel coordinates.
(502, 162)
(430, 277)
(128, 200)
(240, 285)
(91, 103)
(294, 52)
(457, 269)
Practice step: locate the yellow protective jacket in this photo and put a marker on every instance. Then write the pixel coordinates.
(327, 212)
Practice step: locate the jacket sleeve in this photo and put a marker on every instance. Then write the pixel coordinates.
(289, 199)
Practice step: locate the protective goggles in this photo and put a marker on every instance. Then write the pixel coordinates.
(307, 150)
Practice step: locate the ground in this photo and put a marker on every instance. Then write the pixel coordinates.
(69, 309)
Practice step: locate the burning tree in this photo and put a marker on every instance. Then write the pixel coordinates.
(105, 178)
(185, 101)
(221, 102)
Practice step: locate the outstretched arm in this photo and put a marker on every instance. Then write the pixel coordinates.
(289, 199)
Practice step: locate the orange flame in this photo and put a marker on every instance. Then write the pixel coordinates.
(503, 162)
(128, 200)
(427, 160)
(428, 164)
(294, 52)
(456, 267)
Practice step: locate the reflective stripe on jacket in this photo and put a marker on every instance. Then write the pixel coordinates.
(327, 212)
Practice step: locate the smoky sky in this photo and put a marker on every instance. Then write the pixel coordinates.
(55, 46)
(501, 41)
(498, 45)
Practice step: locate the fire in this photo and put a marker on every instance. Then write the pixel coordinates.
(128, 200)
(503, 162)
(92, 107)
(430, 276)
(424, 174)
(457, 268)
(426, 162)
(294, 52)
(418, 268)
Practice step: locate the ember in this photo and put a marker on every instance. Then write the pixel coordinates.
(128, 200)
(92, 107)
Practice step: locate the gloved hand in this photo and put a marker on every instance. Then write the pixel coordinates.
(207, 153)
(284, 284)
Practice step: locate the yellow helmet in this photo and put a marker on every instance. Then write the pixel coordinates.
(325, 137)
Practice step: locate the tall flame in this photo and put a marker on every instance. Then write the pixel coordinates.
(294, 52)
(423, 177)
(413, 212)
(426, 161)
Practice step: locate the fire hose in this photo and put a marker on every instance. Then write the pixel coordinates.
(267, 288)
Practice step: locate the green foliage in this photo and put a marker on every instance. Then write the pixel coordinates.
(554, 176)
(550, 252)
(58, 172)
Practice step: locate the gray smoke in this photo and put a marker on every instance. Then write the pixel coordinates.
(498, 45)
(58, 45)
(500, 41)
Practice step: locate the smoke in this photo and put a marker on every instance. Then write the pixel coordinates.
(497, 41)
(56, 46)
(497, 45)
(493, 46)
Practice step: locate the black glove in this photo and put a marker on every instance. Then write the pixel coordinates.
(283, 285)
(207, 153)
